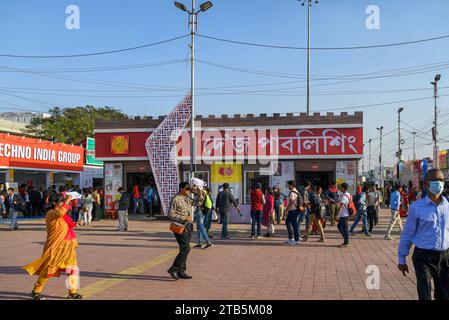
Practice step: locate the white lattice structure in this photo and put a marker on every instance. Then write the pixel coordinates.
(161, 149)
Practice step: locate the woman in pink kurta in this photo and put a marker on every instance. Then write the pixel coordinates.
(268, 213)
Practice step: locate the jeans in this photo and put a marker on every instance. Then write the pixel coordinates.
(430, 265)
(376, 216)
(122, 219)
(333, 212)
(277, 209)
(371, 211)
(150, 208)
(256, 221)
(75, 212)
(136, 205)
(304, 215)
(361, 215)
(225, 218)
(180, 263)
(343, 228)
(199, 219)
(208, 220)
(95, 211)
(13, 216)
(292, 224)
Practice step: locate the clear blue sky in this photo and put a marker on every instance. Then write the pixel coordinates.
(35, 27)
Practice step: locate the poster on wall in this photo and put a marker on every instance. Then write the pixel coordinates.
(113, 175)
(346, 173)
(227, 173)
(283, 172)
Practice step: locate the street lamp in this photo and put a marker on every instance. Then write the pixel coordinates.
(309, 9)
(193, 25)
(399, 153)
(434, 129)
(380, 156)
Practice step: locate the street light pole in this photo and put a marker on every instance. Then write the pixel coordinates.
(369, 159)
(193, 25)
(193, 29)
(414, 142)
(380, 157)
(309, 12)
(435, 128)
(399, 153)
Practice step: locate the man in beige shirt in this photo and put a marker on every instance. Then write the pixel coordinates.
(181, 211)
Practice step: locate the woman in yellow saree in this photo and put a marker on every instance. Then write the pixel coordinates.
(59, 254)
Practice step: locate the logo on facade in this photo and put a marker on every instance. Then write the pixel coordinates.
(120, 144)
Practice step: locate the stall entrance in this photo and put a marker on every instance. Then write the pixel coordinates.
(251, 179)
(142, 179)
(317, 178)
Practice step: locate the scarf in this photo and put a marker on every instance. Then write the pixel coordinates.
(71, 233)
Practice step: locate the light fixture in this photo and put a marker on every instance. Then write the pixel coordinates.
(180, 6)
(206, 6)
(401, 109)
(438, 77)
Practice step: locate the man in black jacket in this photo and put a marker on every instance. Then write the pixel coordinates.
(223, 205)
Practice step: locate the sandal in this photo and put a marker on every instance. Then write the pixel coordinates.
(36, 296)
(75, 296)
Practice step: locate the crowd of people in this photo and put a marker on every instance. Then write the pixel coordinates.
(427, 225)
(31, 202)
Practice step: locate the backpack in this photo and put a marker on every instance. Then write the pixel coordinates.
(351, 207)
(299, 201)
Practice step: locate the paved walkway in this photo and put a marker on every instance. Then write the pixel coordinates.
(133, 264)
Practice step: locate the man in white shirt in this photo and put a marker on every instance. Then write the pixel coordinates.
(292, 209)
(343, 214)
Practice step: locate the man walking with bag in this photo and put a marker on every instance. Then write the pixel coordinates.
(181, 213)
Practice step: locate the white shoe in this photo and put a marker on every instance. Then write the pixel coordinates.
(289, 241)
(294, 243)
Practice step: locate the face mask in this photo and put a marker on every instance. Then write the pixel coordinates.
(436, 187)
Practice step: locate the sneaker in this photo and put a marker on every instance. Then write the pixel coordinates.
(388, 238)
(294, 243)
(120, 230)
(344, 245)
(321, 240)
(288, 241)
(367, 234)
(208, 245)
(252, 237)
(199, 245)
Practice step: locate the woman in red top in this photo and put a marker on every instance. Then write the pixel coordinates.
(403, 210)
(257, 202)
(268, 213)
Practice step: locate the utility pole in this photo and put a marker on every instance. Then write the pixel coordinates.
(399, 153)
(193, 25)
(435, 128)
(380, 158)
(309, 12)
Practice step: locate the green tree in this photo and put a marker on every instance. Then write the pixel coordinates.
(71, 125)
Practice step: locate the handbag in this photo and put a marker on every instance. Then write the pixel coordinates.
(177, 227)
(214, 215)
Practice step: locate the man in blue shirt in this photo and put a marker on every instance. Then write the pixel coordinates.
(427, 228)
(395, 204)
